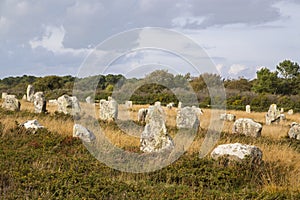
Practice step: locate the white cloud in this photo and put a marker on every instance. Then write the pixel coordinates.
(235, 69)
(53, 39)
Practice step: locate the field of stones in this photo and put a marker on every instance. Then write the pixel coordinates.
(258, 156)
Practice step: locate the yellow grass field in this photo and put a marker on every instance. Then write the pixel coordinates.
(274, 152)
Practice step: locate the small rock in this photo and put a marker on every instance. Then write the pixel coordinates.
(248, 109)
(294, 131)
(227, 117)
(83, 133)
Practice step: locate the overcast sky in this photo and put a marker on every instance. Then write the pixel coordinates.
(54, 37)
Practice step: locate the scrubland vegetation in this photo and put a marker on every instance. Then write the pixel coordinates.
(51, 164)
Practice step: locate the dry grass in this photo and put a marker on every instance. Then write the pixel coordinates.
(277, 153)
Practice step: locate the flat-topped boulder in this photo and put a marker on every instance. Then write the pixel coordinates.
(187, 118)
(68, 105)
(294, 131)
(32, 124)
(83, 133)
(238, 152)
(11, 103)
(155, 137)
(248, 127)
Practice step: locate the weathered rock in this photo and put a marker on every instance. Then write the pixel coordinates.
(273, 115)
(187, 118)
(290, 112)
(142, 113)
(238, 152)
(53, 101)
(157, 103)
(30, 93)
(24, 97)
(32, 124)
(227, 117)
(248, 109)
(39, 102)
(155, 137)
(68, 105)
(197, 110)
(247, 127)
(4, 94)
(108, 109)
(179, 105)
(89, 100)
(294, 131)
(170, 105)
(282, 117)
(281, 110)
(128, 104)
(83, 133)
(11, 103)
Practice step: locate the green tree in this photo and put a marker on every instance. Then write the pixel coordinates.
(266, 81)
(288, 69)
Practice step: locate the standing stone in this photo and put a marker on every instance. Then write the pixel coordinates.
(4, 94)
(157, 103)
(294, 131)
(238, 152)
(248, 109)
(273, 115)
(30, 93)
(11, 103)
(24, 97)
(290, 112)
(83, 133)
(89, 100)
(155, 137)
(142, 113)
(128, 104)
(113, 109)
(179, 105)
(281, 110)
(247, 127)
(68, 105)
(187, 118)
(108, 109)
(39, 103)
(227, 117)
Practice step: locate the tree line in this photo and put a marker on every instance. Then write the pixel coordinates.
(281, 86)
